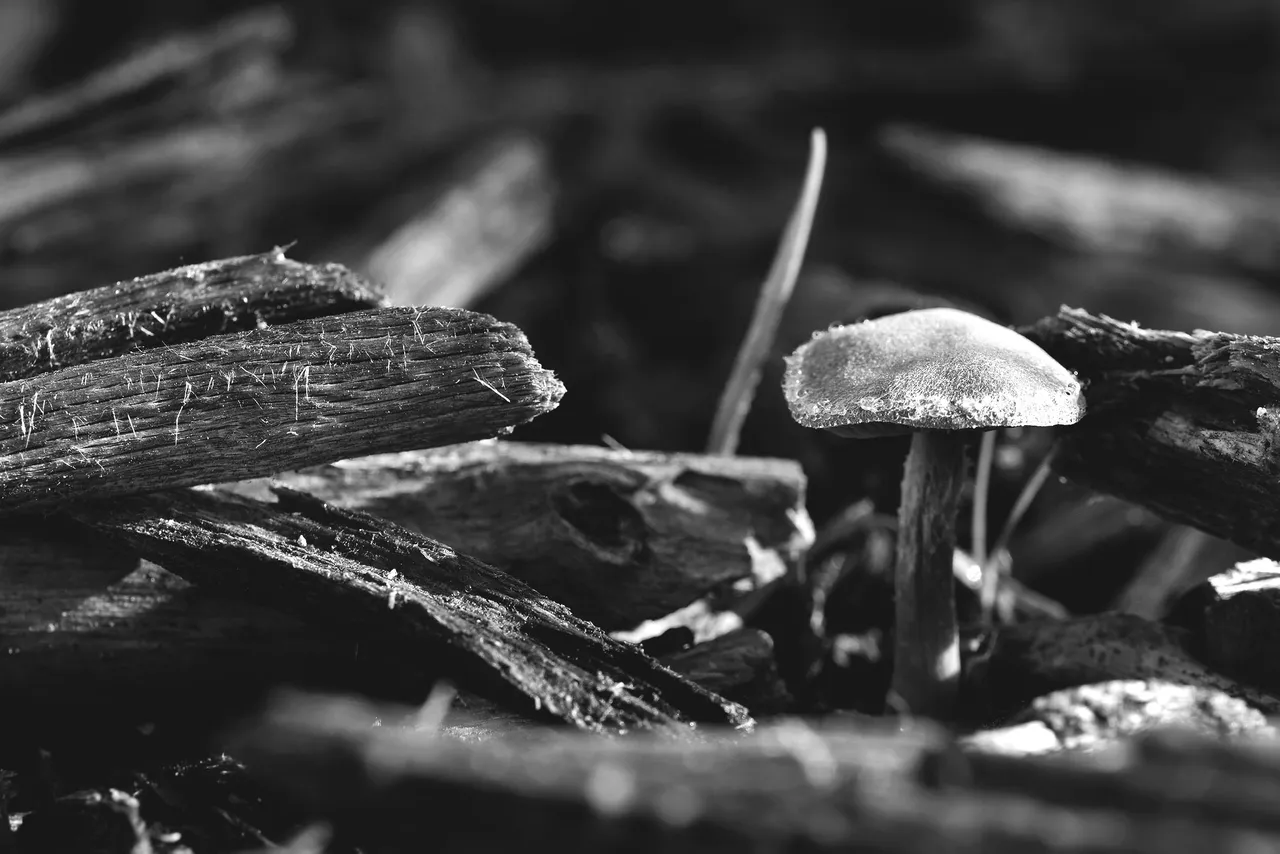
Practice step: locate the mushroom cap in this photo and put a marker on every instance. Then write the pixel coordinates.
(930, 369)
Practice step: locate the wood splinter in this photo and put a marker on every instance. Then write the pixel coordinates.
(484, 630)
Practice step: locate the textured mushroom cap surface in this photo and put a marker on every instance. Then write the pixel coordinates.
(931, 369)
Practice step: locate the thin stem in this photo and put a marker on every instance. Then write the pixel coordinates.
(993, 569)
(1020, 507)
(981, 489)
(739, 391)
(926, 672)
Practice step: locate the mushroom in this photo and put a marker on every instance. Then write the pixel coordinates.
(938, 374)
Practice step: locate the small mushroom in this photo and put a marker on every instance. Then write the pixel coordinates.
(937, 373)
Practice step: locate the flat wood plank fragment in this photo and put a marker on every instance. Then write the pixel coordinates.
(739, 665)
(619, 536)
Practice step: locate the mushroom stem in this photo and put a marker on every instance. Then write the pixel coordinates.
(981, 497)
(926, 670)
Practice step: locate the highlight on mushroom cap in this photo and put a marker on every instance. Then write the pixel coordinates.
(932, 369)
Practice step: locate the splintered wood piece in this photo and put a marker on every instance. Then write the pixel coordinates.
(81, 616)
(1235, 617)
(252, 403)
(173, 307)
(740, 665)
(618, 536)
(481, 628)
(1184, 423)
(785, 787)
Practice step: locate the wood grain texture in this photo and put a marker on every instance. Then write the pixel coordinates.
(173, 307)
(253, 403)
(787, 787)
(1184, 423)
(482, 629)
(80, 616)
(618, 536)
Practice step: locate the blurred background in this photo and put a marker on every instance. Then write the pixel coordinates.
(614, 177)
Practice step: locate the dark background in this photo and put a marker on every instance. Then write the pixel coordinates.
(663, 145)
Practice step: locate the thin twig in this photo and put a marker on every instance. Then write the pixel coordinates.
(991, 566)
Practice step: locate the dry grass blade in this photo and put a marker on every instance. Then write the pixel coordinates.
(735, 402)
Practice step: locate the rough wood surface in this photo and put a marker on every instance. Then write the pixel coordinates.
(1032, 659)
(252, 403)
(1185, 423)
(173, 307)
(81, 617)
(482, 629)
(739, 665)
(786, 787)
(1235, 620)
(618, 536)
